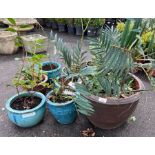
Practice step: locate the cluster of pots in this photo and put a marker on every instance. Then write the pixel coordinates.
(77, 30)
(109, 113)
(64, 113)
(73, 29)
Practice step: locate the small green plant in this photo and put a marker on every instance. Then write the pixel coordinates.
(63, 92)
(29, 78)
(96, 22)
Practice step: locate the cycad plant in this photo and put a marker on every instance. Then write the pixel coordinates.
(113, 54)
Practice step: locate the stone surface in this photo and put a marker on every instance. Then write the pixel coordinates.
(143, 126)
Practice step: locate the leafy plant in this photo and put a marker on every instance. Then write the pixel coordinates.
(28, 76)
(70, 21)
(113, 57)
(61, 20)
(96, 22)
(77, 21)
(63, 93)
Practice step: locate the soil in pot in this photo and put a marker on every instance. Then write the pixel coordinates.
(25, 103)
(60, 98)
(49, 67)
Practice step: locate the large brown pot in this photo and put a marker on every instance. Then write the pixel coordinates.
(111, 113)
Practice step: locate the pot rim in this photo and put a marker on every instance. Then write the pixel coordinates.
(54, 63)
(56, 103)
(119, 101)
(7, 34)
(45, 80)
(13, 98)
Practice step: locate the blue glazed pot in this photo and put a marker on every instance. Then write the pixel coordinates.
(64, 113)
(55, 72)
(26, 118)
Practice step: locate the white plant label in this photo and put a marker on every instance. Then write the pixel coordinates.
(71, 84)
(29, 115)
(69, 93)
(104, 100)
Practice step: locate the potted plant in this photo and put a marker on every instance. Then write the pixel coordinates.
(30, 79)
(94, 26)
(110, 22)
(54, 24)
(48, 22)
(78, 26)
(51, 68)
(27, 109)
(64, 103)
(61, 24)
(70, 26)
(113, 91)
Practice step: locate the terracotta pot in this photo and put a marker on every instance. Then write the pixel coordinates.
(111, 113)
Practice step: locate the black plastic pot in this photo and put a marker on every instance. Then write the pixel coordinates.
(110, 22)
(48, 24)
(71, 29)
(61, 27)
(78, 30)
(92, 31)
(54, 26)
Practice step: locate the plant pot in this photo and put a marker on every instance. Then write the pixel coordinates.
(54, 26)
(7, 42)
(26, 118)
(61, 27)
(29, 42)
(78, 30)
(91, 31)
(40, 88)
(48, 24)
(64, 113)
(28, 28)
(71, 29)
(54, 73)
(111, 113)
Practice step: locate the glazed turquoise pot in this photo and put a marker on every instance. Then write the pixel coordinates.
(26, 118)
(64, 113)
(55, 72)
